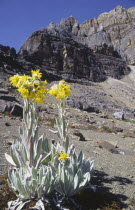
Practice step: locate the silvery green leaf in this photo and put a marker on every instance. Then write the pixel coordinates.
(20, 188)
(27, 188)
(46, 146)
(14, 155)
(41, 158)
(41, 172)
(34, 173)
(21, 205)
(21, 158)
(9, 159)
(66, 144)
(76, 179)
(87, 176)
(80, 157)
(91, 165)
(34, 184)
(39, 146)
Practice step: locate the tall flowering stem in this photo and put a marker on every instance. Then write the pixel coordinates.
(62, 125)
(61, 91)
(73, 171)
(29, 131)
(33, 91)
(30, 178)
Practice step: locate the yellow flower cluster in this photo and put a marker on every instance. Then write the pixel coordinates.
(30, 87)
(61, 91)
(63, 156)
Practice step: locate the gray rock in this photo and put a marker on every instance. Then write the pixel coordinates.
(82, 105)
(7, 107)
(112, 33)
(17, 110)
(117, 129)
(65, 49)
(119, 115)
(80, 135)
(8, 98)
(108, 146)
(4, 91)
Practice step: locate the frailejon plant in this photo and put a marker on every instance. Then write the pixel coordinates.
(43, 171)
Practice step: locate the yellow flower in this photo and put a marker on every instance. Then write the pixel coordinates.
(14, 80)
(39, 100)
(60, 91)
(24, 92)
(31, 87)
(36, 74)
(63, 156)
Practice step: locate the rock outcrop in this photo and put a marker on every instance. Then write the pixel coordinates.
(8, 59)
(93, 50)
(61, 56)
(116, 29)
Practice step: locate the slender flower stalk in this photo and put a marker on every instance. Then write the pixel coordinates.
(61, 91)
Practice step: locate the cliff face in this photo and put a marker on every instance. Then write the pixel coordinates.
(93, 50)
(115, 28)
(8, 60)
(62, 56)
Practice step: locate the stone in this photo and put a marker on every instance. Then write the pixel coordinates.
(117, 129)
(92, 121)
(80, 135)
(103, 115)
(4, 91)
(7, 124)
(7, 107)
(119, 115)
(17, 110)
(82, 105)
(108, 146)
(8, 98)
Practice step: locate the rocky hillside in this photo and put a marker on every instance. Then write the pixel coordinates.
(94, 50)
(111, 30)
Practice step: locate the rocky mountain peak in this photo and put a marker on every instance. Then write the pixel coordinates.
(70, 21)
(118, 25)
(93, 50)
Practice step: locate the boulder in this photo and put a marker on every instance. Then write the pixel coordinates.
(17, 110)
(119, 115)
(8, 98)
(108, 146)
(82, 105)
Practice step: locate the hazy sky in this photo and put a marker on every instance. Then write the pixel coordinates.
(19, 18)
